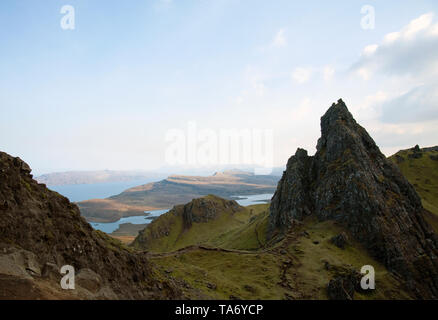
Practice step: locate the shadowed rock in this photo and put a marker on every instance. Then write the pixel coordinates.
(340, 240)
(40, 231)
(349, 180)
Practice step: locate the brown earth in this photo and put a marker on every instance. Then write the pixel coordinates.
(42, 231)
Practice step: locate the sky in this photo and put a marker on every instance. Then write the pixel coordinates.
(131, 76)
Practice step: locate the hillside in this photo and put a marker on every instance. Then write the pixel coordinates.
(42, 231)
(345, 207)
(175, 190)
(208, 220)
(420, 167)
(351, 182)
(221, 249)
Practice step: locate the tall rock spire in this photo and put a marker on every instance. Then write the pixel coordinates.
(349, 180)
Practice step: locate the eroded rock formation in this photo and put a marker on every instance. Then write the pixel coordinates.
(40, 231)
(349, 180)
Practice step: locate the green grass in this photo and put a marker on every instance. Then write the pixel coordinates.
(250, 236)
(246, 267)
(262, 275)
(422, 173)
(314, 277)
(242, 276)
(167, 233)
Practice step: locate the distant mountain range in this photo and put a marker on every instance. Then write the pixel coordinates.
(91, 177)
(109, 176)
(176, 189)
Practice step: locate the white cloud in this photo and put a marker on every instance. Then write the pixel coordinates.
(364, 73)
(303, 110)
(301, 75)
(417, 105)
(408, 58)
(391, 37)
(254, 85)
(370, 50)
(255, 79)
(410, 51)
(259, 87)
(279, 39)
(414, 27)
(369, 108)
(421, 23)
(395, 105)
(434, 30)
(328, 73)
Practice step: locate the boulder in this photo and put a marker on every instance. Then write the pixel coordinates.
(88, 279)
(340, 240)
(51, 271)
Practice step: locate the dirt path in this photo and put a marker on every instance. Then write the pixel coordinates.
(272, 250)
(204, 248)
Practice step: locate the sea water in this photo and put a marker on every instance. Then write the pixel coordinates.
(109, 227)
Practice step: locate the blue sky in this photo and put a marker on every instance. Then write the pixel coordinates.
(103, 96)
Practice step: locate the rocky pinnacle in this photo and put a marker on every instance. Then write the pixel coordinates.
(350, 181)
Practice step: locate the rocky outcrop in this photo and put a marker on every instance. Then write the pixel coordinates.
(181, 218)
(417, 153)
(350, 181)
(42, 231)
(340, 240)
(205, 209)
(344, 286)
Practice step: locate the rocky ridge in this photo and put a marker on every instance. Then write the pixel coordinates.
(42, 231)
(350, 181)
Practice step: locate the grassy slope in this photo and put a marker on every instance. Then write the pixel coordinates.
(292, 269)
(422, 173)
(218, 232)
(248, 268)
(300, 266)
(251, 235)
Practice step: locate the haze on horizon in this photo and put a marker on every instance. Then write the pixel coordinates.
(104, 95)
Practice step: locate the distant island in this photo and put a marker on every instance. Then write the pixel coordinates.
(176, 189)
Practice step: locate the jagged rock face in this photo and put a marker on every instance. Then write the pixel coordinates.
(36, 222)
(205, 209)
(349, 180)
